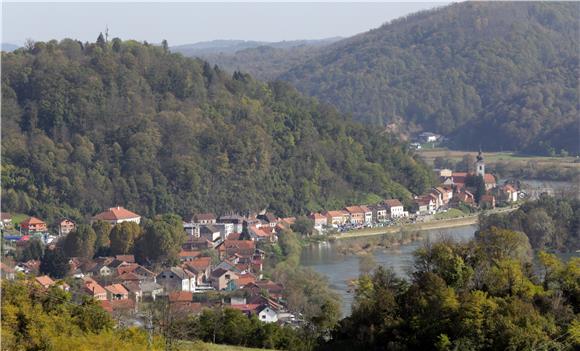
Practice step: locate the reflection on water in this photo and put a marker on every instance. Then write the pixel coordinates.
(339, 268)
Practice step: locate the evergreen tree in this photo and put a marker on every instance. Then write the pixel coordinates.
(54, 263)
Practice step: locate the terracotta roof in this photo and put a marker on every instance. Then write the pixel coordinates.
(204, 217)
(244, 279)
(44, 280)
(180, 296)
(354, 209)
(200, 263)
(192, 253)
(126, 304)
(316, 216)
(487, 198)
(234, 236)
(116, 289)
(509, 188)
(239, 244)
(129, 276)
(488, 178)
(106, 305)
(393, 202)
(93, 287)
(245, 307)
(116, 213)
(335, 213)
(32, 220)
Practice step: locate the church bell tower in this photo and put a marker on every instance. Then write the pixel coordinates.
(480, 165)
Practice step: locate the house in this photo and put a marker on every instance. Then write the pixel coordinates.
(229, 248)
(101, 269)
(125, 258)
(320, 221)
(507, 193)
(487, 201)
(463, 197)
(66, 226)
(380, 213)
(44, 281)
(176, 279)
(135, 292)
(204, 218)
(33, 225)
(266, 314)
(223, 279)
(193, 243)
(136, 269)
(394, 208)
(94, 289)
(116, 215)
(368, 214)
(266, 233)
(188, 255)
(6, 272)
(236, 220)
(428, 137)
(274, 290)
(336, 217)
(150, 290)
(5, 220)
(268, 219)
(181, 304)
(356, 214)
(437, 198)
(201, 266)
(245, 279)
(209, 232)
(445, 193)
(445, 172)
(424, 205)
(116, 292)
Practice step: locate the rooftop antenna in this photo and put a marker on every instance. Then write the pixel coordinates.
(107, 33)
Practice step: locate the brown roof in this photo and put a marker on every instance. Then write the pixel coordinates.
(116, 213)
(180, 296)
(116, 289)
(489, 178)
(234, 236)
(93, 287)
(126, 304)
(335, 213)
(393, 202)
(200, 263)
(44, 280)
(317, 215)
(204, 217)
(5, 216)
(487, 198)
(354, 209)
(240, 244)
(32, 220)
(192, 253)
(244, 279)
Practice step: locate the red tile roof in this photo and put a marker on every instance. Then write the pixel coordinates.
(126, 258)
(116, 213)
(192, 253)
(180, 296)
(116, 289)
(31, 220)
(44, 281)
(93, 287)
(200, 263)
(354, 209)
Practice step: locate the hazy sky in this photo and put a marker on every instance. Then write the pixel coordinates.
(182, 23)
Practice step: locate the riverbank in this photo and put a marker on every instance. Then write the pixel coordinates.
(430, 225)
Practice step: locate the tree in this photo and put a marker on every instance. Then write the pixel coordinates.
(161, 241)
(32, 251)
(123, 236)
(245, 234)
(165, 45)
(539, 227)
(303, 225)
(80, 242)
(102, 230)
(101, 40)
(54, 263)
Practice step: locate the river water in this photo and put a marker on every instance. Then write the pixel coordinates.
(339, 268)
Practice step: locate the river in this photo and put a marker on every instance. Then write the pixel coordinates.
(339, 268)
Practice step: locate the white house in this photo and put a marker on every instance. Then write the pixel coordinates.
(267, 315)
(395, 208)
(116, 215)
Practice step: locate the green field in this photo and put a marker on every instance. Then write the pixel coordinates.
(429, 156)
(451, 213)
(203, 346)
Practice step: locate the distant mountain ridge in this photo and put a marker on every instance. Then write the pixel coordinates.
(8, 47)
(497, 74)
(233, 46)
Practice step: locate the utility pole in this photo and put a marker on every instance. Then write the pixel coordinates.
(107, 34)
(149, 328)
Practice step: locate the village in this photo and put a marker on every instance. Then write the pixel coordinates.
(225, 254)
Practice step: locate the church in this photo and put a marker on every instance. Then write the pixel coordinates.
(458, 179)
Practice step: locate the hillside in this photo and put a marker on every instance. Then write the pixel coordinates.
(263, 60)
(88, 126)
(501, 75)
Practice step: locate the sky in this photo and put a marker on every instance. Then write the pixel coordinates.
(184, 23)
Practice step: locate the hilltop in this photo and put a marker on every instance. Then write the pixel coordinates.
(89, 126)
(497, 74)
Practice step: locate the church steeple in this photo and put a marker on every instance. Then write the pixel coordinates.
(480, 164)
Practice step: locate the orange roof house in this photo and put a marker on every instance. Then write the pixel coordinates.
(116, 215)
(44, 281)
(33, 225)
(116, 292)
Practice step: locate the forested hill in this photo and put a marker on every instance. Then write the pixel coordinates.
(503, 75)
(89, 126)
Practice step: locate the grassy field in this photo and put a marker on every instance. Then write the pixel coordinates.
(18, 217)
(451, 213)
(493, 157)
